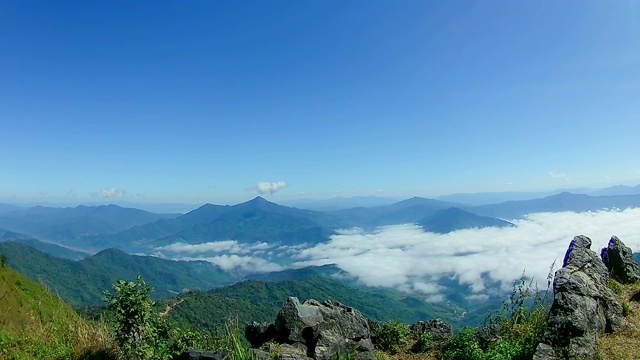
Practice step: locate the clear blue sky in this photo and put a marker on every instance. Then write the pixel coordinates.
(199, 101)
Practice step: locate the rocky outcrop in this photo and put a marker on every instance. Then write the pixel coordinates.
(583, 306)
(320, 331)
(620, 263)
(441, 332)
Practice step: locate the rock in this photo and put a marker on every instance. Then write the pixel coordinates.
(583, 305)
(326, 330)
(258, 334)
(619, 260)
(441, 332)
(193, 354)
(288, 352)
(544, 352)
(488, 335)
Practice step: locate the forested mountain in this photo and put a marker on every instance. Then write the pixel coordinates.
(452, 219)
(82, 282)
(48, 248)
(254, 300)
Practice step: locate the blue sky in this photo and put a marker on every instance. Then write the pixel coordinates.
(200, 101)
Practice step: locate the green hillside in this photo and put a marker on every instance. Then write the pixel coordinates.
(82, 282)
(261, 300)
(35, 324)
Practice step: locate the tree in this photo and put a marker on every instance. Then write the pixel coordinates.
(3, 260)
(140, 332)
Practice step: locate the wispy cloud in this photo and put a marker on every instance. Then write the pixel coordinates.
(556, 175)
(249, 264)
(265, 187)
(112, 192)
(407, 258)
(227, 246)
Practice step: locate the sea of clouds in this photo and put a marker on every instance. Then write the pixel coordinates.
(406, 258)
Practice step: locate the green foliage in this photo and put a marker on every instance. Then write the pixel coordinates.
(140, 333)
(518, 327)
(3, 260)
(615, 286)
(464, 346)
(626, 308)
(392, 337)
(424, 344)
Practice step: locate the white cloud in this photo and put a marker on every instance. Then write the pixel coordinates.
(407, 258)
(556, 175)
(264, 187)
(112, 192)
(225, 246)
(249, 264)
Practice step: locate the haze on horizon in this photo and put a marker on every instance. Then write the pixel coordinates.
(219, 102)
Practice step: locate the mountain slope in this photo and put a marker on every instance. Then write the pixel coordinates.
(48, 248)
(82, 282)
(254, 300)
(35, 324)
(406, 211)
(448, 220)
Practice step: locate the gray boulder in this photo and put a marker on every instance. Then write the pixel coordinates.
(324, 330)
(259, 333)
(619, 260)
(194, 354)
(583, 305)
(441, 332)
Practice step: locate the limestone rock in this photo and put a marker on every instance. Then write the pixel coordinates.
(618, 259)
(325, 329)
(583, 305)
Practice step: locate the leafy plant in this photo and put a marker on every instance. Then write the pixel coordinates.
(464, 346)
(392, 337)
(140, 333)
(424, 344)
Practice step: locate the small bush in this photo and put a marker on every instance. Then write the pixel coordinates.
(424, 344)
(464, 346)
(392, 337)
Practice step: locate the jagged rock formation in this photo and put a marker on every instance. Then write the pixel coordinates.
(583, 306)
(315, 330)
(619, 260)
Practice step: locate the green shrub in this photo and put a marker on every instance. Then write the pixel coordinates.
(140, 333)
(392, 337)
(424, 344)
(464, 346)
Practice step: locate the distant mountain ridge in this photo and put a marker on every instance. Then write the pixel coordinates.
(70, 224)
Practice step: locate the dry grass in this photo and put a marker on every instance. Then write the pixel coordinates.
(624, 345)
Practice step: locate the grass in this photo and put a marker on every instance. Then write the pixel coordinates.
(35, 324)
(624, 345)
